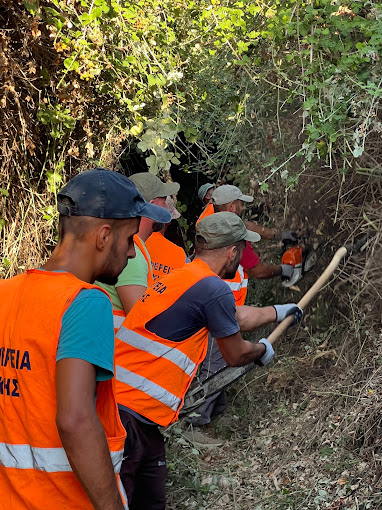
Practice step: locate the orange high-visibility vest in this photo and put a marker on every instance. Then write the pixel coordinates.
(119, 315)
(208, 210)
(165, 255)
(138, 241)
(239, 284)
(153, 373)
(34, 470)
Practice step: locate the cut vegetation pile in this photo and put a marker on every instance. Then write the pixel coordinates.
(307, 432)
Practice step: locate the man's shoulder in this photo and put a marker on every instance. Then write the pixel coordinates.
(91, 294)
(90, 302)
(211, 287)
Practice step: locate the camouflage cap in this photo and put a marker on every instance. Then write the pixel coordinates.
(223, 229)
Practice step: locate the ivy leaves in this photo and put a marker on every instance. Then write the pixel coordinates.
(160, 134)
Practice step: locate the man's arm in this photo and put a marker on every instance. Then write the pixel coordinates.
(251, 317)
(264, 271)
(82, 434)
(238, 352)
(266, 233)
(129, 295)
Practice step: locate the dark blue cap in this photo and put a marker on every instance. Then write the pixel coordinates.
(102, 193)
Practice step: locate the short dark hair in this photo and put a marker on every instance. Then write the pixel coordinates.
(220, 208)
(202, 251)
(224, 207)
(78, 226)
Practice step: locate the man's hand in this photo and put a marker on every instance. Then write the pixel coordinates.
(283, 311)
(286, 270)
(269, 353)
(82, 434)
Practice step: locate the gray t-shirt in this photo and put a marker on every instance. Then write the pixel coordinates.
(209, 303)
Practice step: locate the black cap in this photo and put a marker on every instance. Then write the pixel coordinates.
(102, 193)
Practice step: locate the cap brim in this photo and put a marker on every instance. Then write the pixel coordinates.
(170, 188)
(155, 213)
(246, 198)
(252, 237)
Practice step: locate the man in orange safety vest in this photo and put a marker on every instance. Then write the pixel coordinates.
(138, 275)
(165, 255)
(163, 340)
(61, 439)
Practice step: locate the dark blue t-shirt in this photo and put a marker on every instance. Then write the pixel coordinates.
(209, 303)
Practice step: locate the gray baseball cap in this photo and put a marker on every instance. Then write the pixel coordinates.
(223, 229)
(150, 186)
(203, 190)
(227, 193)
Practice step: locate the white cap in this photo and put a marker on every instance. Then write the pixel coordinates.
(227, 193)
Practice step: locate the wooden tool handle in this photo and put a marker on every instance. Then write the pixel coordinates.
(306, 299)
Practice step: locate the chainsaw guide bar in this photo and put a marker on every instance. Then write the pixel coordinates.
(198, 393)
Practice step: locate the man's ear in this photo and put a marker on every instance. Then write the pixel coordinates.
(231, 252)
(231, 207)
(103, 236)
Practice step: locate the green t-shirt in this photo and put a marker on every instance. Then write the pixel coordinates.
(135, 273)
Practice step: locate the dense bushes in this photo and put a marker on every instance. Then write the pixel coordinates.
(252, 90)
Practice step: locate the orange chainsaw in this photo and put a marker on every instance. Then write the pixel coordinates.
(299, 255)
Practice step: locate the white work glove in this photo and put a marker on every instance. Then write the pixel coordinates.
(267, 357)
(283, 311)
(286, 270)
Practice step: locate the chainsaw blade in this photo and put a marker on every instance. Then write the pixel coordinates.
(198, 393)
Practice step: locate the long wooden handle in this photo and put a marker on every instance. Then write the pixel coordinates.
(307, 298)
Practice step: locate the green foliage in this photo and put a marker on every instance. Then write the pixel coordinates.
(219, 76)
(58, 119)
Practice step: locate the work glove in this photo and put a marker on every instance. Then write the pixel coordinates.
(286, 235)
(267, 357)
(283, 311)
(286, 270)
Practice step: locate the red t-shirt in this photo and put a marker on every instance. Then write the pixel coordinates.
(249, 259)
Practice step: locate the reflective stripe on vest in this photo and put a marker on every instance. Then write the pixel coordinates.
(157, 349)
(154, 373)
(242, 273)
(239, 281)
(50, 460)
(234, 285)
(141, 245)
(150, 388)
(118, 321)
(123, 494)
